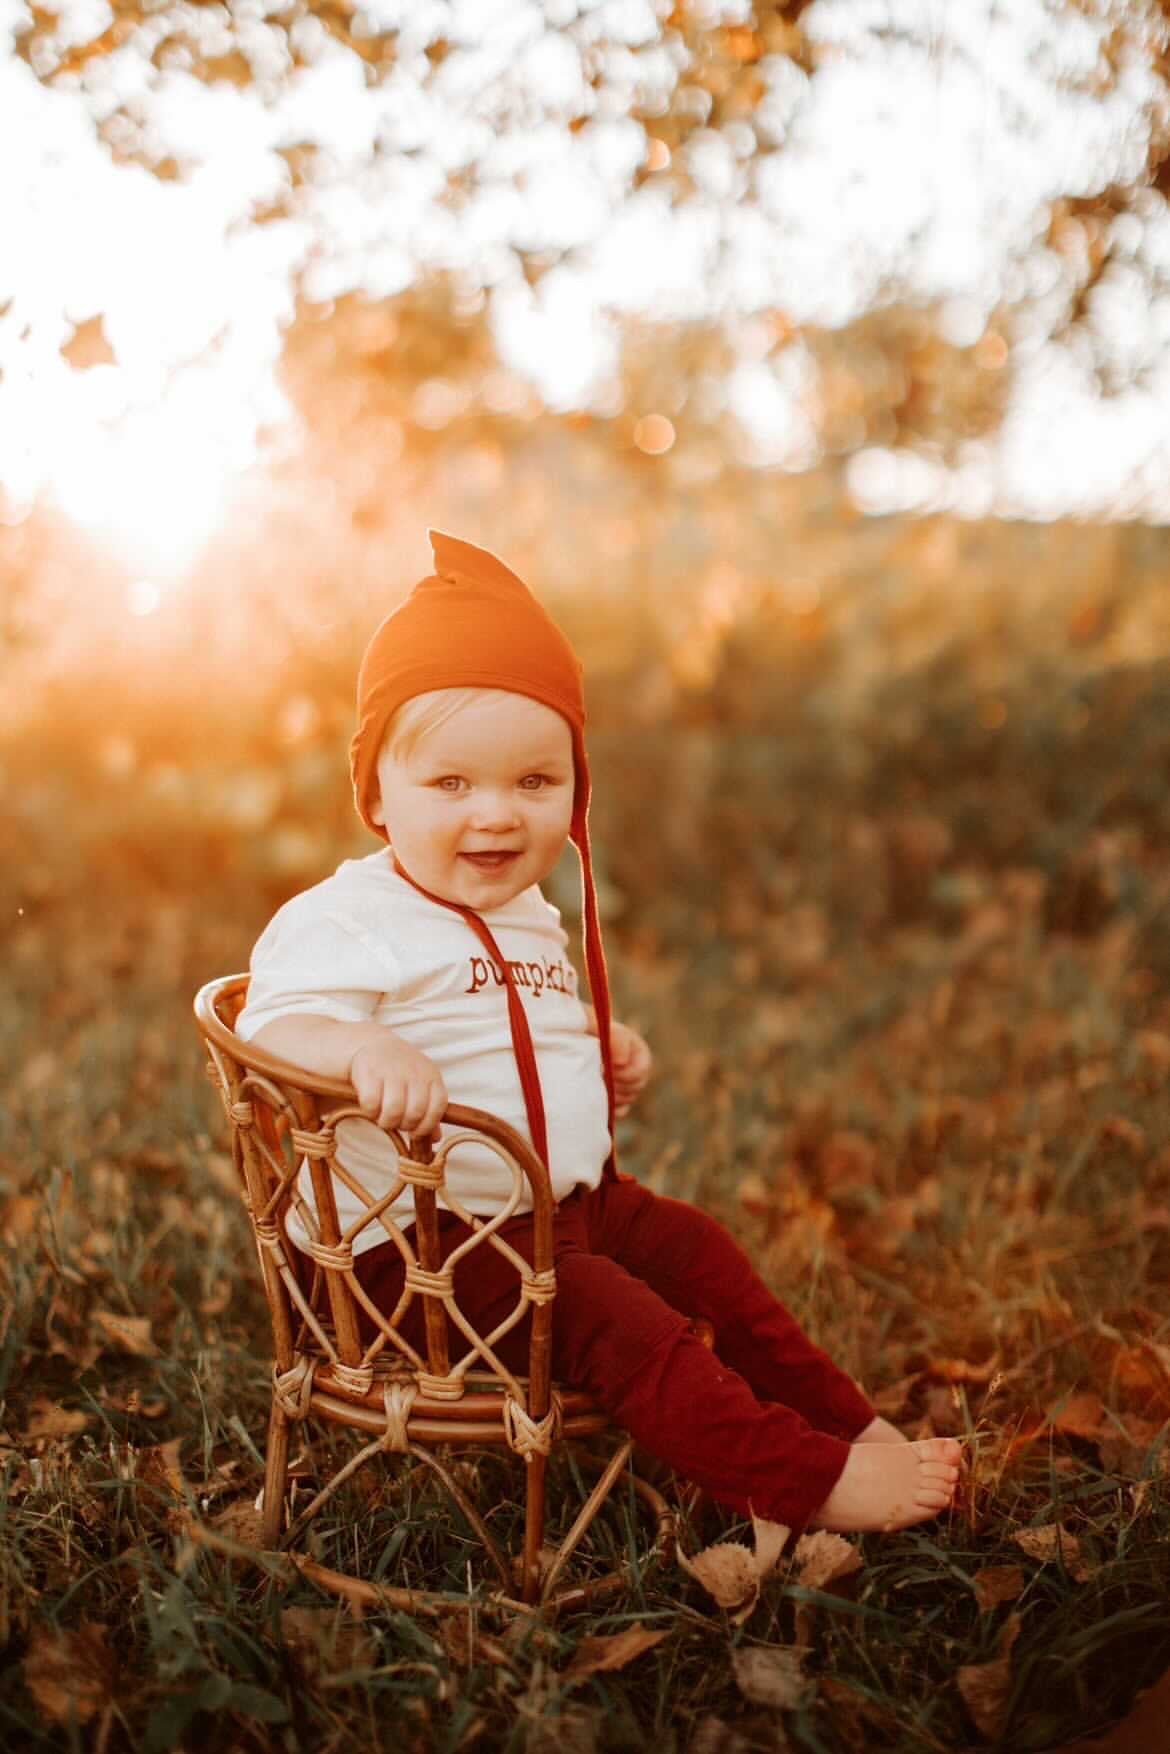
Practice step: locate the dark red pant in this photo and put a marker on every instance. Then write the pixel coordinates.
(763, 1423)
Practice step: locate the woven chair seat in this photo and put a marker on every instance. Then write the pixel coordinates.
(282, 1123)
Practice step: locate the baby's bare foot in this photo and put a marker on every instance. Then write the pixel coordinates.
(880, 1431)
(891, 1485)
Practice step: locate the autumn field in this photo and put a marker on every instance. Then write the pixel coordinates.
(899, 935)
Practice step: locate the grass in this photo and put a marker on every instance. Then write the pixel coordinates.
(905, 976)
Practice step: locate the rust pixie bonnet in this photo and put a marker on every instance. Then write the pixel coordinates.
(473, 624)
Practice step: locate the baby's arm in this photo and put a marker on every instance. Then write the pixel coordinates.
(396, 1085)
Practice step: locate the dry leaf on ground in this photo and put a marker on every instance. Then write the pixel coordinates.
(727, 1571)
(770, 1538)
(771, 1674)
(713, 1736)
(240, 1521)
(565, 1729)
(128, 1333)
(1077, 1415)
(1047, 1541)
(323, 1638)
(961, 1370)
(997, 1583)
(48, 1419)
(611, 1650)
(986, 1687)
(69, 1671)
(161, 1462)
(823, 1558)
(1126, 1451)
(731, 1572)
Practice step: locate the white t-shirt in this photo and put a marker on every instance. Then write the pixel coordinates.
(364, 945)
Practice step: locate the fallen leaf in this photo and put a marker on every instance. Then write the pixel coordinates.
(327, 1638)
(601, 1652)
(771, 1675)
(956, 1370)
(853, 1714)
(755, 1196)
(1141, 1376)
(555, 1728)
(986, 1687)
(1029, 1427)
(731, 1573)
(727, 1571)
(1078, 1415)
(997, 1583)
(48, 1419)
(1047, 1541)
(240, 1521)
(18, 1217)
(218, 1299)
(1126, 1451)
(713, 1736)
(770, 1538)
(823, 1558)
(161, 1462)
(129, 1333)
(69, 1671)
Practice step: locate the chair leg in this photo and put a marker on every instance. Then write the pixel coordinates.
(535, 1470)
(275, 1475)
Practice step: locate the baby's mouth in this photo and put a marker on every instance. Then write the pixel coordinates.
(490, 861)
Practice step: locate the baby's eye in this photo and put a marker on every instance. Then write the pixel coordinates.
(450, 782)
(532, 782)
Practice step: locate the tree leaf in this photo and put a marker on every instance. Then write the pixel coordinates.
(69, 1671)
(985, 1688)
(128, 1333)
(727, 1571)
(770, 1539)
(997, 1583)
(598, 1653)
(49, 1419)
(823, 1557)
(1047, 1541)
(771, 1674)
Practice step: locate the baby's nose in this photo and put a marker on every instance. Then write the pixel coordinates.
(495, 810)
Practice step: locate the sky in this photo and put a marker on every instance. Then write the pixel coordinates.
(919, 164)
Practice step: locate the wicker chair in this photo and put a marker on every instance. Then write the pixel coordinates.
(280, 1116)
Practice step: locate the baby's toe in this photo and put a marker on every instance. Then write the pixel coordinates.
(939, 1449)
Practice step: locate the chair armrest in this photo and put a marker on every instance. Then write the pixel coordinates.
(256, 1059)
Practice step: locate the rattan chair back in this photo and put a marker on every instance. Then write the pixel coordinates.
(283, 1119)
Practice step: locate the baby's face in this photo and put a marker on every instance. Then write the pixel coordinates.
(481, 807)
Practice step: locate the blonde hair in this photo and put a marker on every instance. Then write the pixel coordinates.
(423, 713)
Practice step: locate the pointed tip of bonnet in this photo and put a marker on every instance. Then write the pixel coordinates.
(454, 557)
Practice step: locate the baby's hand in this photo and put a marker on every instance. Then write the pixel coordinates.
(396, 1085)
(632, 1061)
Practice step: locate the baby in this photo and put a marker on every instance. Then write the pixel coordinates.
(435, 970)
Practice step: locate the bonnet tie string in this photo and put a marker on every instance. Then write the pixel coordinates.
(522, 1046)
